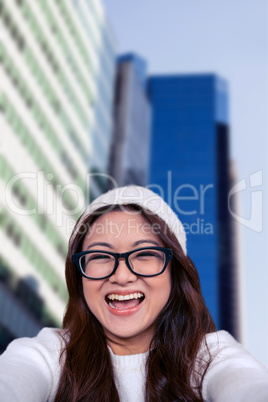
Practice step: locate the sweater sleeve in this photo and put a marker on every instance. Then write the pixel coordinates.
(29, 368)
(234, 374)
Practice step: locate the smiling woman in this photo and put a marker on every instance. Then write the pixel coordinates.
(136, 327)
(130, 293)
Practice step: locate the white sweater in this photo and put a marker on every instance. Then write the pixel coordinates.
(29, 371)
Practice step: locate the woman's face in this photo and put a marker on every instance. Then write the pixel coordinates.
(128, 324)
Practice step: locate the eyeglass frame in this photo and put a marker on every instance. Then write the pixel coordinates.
(76, 257)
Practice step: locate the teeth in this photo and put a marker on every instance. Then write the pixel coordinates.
(115, 296)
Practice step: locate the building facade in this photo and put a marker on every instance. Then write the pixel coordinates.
(56, 65)
(190, 168)
(129, 158)
(101, 38)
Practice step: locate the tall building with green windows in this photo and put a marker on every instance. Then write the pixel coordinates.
(56, 82)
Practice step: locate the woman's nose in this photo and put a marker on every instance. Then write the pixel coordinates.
(122, 274)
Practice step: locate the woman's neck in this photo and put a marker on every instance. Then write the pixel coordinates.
(129, 346)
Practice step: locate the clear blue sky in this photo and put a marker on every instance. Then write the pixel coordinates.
(230, 38)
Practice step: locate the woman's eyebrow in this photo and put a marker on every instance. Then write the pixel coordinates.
(137, 243)
(100, 244)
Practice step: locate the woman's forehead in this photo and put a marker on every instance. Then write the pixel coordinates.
(123, 225)
(123, 221)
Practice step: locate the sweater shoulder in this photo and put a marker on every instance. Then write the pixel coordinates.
(233, 373)
(223, 346)
(40, 359)
(48, 340)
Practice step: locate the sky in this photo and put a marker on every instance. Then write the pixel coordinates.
(229, 38)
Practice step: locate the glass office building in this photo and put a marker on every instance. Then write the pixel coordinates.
(129, 159)
(190, 168)
(56, 85)
(101, 37)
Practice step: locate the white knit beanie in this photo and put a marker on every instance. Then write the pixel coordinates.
(145, 198)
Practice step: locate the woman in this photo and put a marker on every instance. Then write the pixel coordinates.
(136, 326)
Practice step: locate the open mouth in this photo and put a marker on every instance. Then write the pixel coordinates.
(123, 302)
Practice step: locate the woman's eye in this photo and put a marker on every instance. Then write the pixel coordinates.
(99, 257)
(147, 254)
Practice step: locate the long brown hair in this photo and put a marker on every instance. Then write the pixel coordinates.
(180, 328)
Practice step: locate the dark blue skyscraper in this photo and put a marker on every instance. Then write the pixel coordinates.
(190, 167)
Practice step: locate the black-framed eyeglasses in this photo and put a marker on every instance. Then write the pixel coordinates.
(146, 262)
